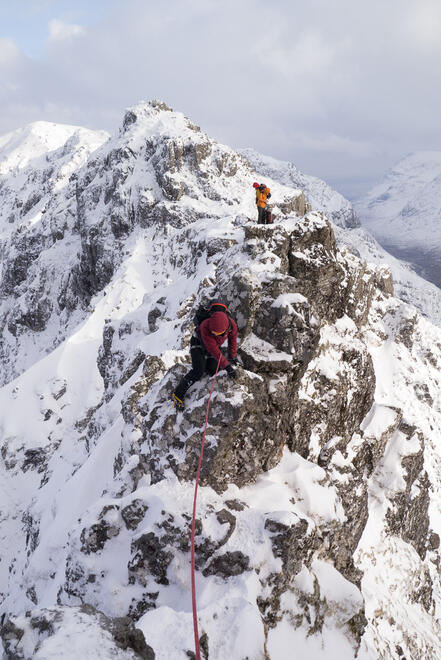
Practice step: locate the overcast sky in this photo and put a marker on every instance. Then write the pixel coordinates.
(341, 88)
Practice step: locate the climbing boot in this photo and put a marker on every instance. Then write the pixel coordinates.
(181, 389)
(177, 402)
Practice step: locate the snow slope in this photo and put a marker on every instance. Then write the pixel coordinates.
(404, 212)
(319, 513)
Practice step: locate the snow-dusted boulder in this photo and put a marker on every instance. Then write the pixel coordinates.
(73, 632)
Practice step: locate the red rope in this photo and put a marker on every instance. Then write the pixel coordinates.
(193, 524)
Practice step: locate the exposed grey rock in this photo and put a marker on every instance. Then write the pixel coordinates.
(31, 528)
(313, 263)
(35, 459)
(127, 636)
(94, 538)
(11, 636)
(332, 412)
(248, 437)
(289, 544)
(235, 505)
(133, 513)
(114, 365)
(228, 564)
(148, 556)
(152, 371)
(408, 517)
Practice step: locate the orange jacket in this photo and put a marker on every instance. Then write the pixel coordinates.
(262, 197)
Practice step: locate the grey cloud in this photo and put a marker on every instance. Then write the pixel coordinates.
(283, 77)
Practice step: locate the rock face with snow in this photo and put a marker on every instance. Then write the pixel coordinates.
(318, 515)
(404, 212)
(39, 236)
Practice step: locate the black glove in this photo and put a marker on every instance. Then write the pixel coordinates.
(233, 361)
(230, 371)
(268, 196)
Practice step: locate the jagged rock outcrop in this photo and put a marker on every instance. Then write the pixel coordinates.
(409, 287)
(282, 318)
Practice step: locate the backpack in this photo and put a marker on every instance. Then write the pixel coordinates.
(201, 314)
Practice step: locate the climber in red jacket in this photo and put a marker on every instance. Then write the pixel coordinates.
(205, 351)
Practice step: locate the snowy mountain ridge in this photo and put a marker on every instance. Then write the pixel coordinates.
(51, 217)
(39, 139)
(408, 285)
(321, 196)
(319, 514)
(404, 212)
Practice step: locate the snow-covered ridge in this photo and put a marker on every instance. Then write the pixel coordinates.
(319, 515)
(19, 148)
(408, 285)
(57, 208)
(320, 196)
(404, 212)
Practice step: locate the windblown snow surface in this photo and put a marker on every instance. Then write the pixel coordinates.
(66, 465)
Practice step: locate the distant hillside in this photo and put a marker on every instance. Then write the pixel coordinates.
(404, 212)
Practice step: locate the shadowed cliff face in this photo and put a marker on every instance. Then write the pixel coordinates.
(317, 518)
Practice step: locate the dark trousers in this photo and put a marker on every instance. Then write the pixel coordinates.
(261, 216)
(201, 363)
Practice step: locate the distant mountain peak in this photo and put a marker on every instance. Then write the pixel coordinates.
(404, 212)
(18, 148)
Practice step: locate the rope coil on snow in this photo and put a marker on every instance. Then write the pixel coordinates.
(193, 524)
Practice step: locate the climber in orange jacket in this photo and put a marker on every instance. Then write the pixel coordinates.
(262, 196)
